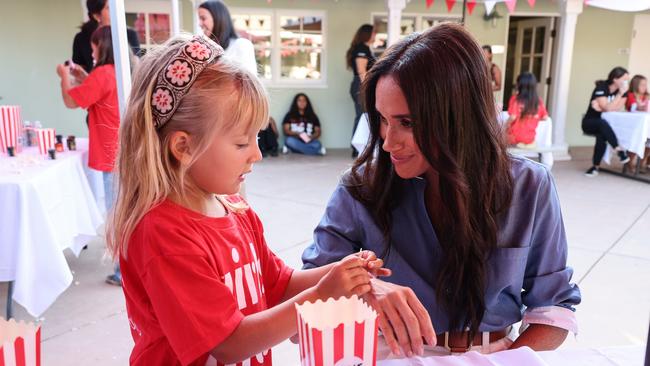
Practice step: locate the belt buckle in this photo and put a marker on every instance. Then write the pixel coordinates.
(455, 349)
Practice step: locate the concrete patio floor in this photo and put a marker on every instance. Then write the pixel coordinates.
(607, 219)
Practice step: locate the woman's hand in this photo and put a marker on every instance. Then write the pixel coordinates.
(402, 318)
(346, 278)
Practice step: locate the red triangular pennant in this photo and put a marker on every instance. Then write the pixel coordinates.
(511, 5)
(429, 3)
(531, 3)
(450, 4)
(470, 6)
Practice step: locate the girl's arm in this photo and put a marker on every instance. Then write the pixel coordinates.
(362, 66)
(316, 134)
(541, 337)
(263, 330)
(62, 70)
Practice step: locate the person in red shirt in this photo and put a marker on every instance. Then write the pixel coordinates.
(637, 101)
(526, 109)
(201, 285)
(97, 92)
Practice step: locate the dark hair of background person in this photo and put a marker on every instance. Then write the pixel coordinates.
(309, 110)
(363, 35)
(527, 93)
(223, 31)
(104, 41)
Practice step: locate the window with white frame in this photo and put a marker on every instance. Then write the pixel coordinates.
(289, 44)
(409, 23)
(150, 19)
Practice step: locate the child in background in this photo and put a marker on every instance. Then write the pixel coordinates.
(637, 96)
(201, 285)
(526, 109)
(97, 92)
(302, 128)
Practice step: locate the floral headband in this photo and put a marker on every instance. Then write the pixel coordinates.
(178, 75)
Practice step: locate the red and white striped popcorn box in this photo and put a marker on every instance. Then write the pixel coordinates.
(46, 139)
(20, 343)
(10, 127)
(340, 332)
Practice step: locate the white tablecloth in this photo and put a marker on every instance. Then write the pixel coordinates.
(46, 206)
(632, 131)
(628, 355)
(543, 136)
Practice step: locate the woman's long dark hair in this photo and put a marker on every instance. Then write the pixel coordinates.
(94, 7)
(443, 77)
(363, 35)
(294, 112)
(223, 31)
(104, 41)
(527, 93)
(616, 73)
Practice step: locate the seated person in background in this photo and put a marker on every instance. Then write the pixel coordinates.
(267, 139)
(526, 109)
(637, 101)
(637, 97)
(302, 128)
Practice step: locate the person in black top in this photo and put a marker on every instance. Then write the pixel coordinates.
(301, 128)
(609, 95)
(360, 59)
(267, 139)
(98, 15)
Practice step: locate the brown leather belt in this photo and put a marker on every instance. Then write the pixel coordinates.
(459, 342)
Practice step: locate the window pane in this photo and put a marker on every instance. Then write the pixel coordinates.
(539, 39)
(525, 64)
(136, 21)
(159, 27)
(407, 26)
(301, 31)
(263, 59)
(256, 28)
(528, 40)
(300, 64)
(537, 67)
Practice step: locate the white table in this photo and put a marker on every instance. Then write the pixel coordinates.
(543, 136)
(632, 131)
(626, 355)
(46, 206)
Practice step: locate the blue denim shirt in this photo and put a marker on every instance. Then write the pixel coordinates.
(527, 269)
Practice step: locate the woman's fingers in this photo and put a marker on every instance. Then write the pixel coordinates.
(395, 318)
(424, 320)
(384, 325)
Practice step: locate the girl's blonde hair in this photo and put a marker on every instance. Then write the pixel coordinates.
(147, 171)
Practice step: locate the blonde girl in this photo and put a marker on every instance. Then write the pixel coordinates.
(201, 285)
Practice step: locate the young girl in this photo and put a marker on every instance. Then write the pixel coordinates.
(526, 109)
(637, 97)
(302, 128)
(97, 92)
(200, 283)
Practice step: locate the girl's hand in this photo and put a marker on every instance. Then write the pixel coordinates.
(346, 278)
(373, 264)
(61, 70)
(78, 72)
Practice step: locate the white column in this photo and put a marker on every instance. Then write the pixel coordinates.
(176, 18)
(195, 17)
(395, 8)
(570, 10)
(120, 53)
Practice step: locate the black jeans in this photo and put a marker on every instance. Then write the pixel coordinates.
(603, 133)
(355, 88)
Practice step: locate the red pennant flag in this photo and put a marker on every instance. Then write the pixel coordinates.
(511, 5)
(531, 3)
(470, 6)
(429, 3)
(450, 4)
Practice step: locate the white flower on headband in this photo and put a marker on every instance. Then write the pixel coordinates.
(179, 72)
(198, 51)
(162, 100)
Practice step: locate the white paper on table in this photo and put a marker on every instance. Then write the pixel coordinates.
(519, 356)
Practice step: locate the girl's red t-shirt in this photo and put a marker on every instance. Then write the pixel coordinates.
(522, 129)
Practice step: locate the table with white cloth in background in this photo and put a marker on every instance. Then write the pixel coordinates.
(624, 355)
(543, 136)
(632, 130)
(46, 206)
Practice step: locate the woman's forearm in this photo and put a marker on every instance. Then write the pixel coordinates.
(541, 337)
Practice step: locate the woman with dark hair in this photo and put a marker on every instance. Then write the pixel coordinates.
(302, 128)
(609, 95)
(495, 71)
(526, 109)
(98, 16)
(97, 93)
(359, 59)
(472, 235)
(216, 23)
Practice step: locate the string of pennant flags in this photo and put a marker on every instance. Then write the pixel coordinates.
(489, 4)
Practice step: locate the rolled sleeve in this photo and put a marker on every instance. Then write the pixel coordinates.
(547, 277)
(551, 315)
(338, 233)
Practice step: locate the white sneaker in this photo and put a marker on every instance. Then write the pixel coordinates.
(285, 150)
(323, 150)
